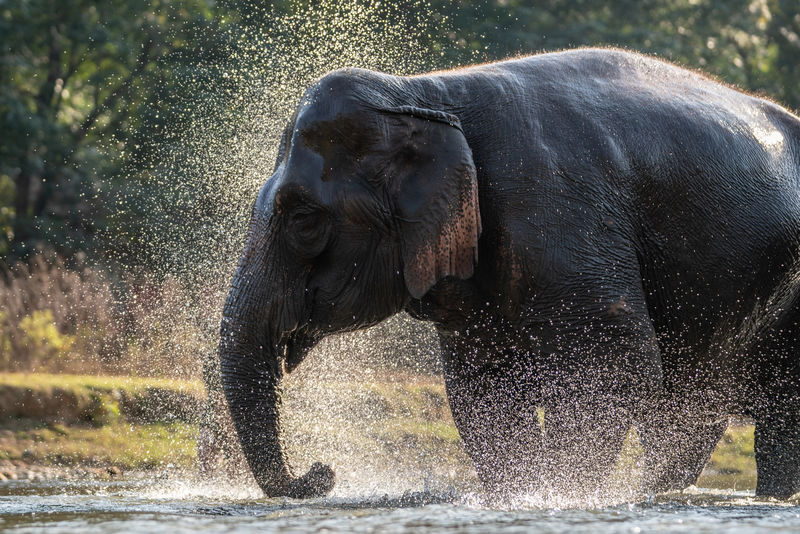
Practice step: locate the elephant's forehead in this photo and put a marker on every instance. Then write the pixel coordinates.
(341, 133)
(340, 139)
(316, 175)
(324, 106)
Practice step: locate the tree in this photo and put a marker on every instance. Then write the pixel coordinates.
(783, 43)
(80, 84)
(754, 44)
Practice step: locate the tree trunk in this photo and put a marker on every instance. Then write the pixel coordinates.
(22, 199)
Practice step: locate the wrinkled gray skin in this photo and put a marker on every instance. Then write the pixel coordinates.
(599, 234)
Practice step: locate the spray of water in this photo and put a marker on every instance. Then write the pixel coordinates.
(335, 408)
(212, 169)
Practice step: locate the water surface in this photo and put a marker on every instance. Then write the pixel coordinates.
(155, 507)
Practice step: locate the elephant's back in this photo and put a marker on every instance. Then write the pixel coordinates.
(689, 155)
(708, 176)
(606, 114)
(655, 114)
(680, 148)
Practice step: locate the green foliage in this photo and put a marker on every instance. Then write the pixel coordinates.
(751, 43)
(732, 465)
(103, 411)
(80, 87)
(41, 336)
(91, 92)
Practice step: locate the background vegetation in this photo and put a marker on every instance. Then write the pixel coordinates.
(91, 91)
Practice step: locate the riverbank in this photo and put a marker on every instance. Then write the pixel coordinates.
(101, 427)
(78, 427)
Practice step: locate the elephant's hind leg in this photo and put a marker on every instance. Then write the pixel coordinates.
(777, 451)
(777, 411)
(676, 450)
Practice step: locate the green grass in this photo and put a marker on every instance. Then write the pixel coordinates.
(79, 421)
(120, 444)
(132, 384)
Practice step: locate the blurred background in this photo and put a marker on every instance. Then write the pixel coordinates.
(135, 133)
(117, 120)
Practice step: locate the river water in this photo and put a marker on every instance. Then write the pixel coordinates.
(173, 507)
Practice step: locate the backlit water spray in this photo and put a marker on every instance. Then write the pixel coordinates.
(369, 403)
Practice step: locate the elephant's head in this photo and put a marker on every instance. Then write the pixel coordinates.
(372, 201)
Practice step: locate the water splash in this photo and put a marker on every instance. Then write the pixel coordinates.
(210, 173)
(206, 175)
(215, 167)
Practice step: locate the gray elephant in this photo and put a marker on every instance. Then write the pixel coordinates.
(595, 233)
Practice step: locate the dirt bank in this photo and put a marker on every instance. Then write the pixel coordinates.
(72, 399)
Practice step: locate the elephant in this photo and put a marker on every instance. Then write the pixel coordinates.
(598, 236)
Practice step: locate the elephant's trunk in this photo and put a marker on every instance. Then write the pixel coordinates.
(251, 373)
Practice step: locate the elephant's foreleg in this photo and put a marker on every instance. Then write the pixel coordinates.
(675, 450)
(499, 427)
(596, 379)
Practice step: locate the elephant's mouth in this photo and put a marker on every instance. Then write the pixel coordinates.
(295, 346)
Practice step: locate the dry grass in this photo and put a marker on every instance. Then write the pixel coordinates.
(52, 317)
(74, 318)
(62, 318)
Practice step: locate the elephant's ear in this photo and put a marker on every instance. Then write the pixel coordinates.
(435, 193)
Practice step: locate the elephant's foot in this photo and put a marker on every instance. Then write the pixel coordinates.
(508, 477)
(318, 482)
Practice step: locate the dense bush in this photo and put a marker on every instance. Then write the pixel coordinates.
(74, 318)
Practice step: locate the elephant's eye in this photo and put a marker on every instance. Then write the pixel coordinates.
(303, 224)
(308, 230)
